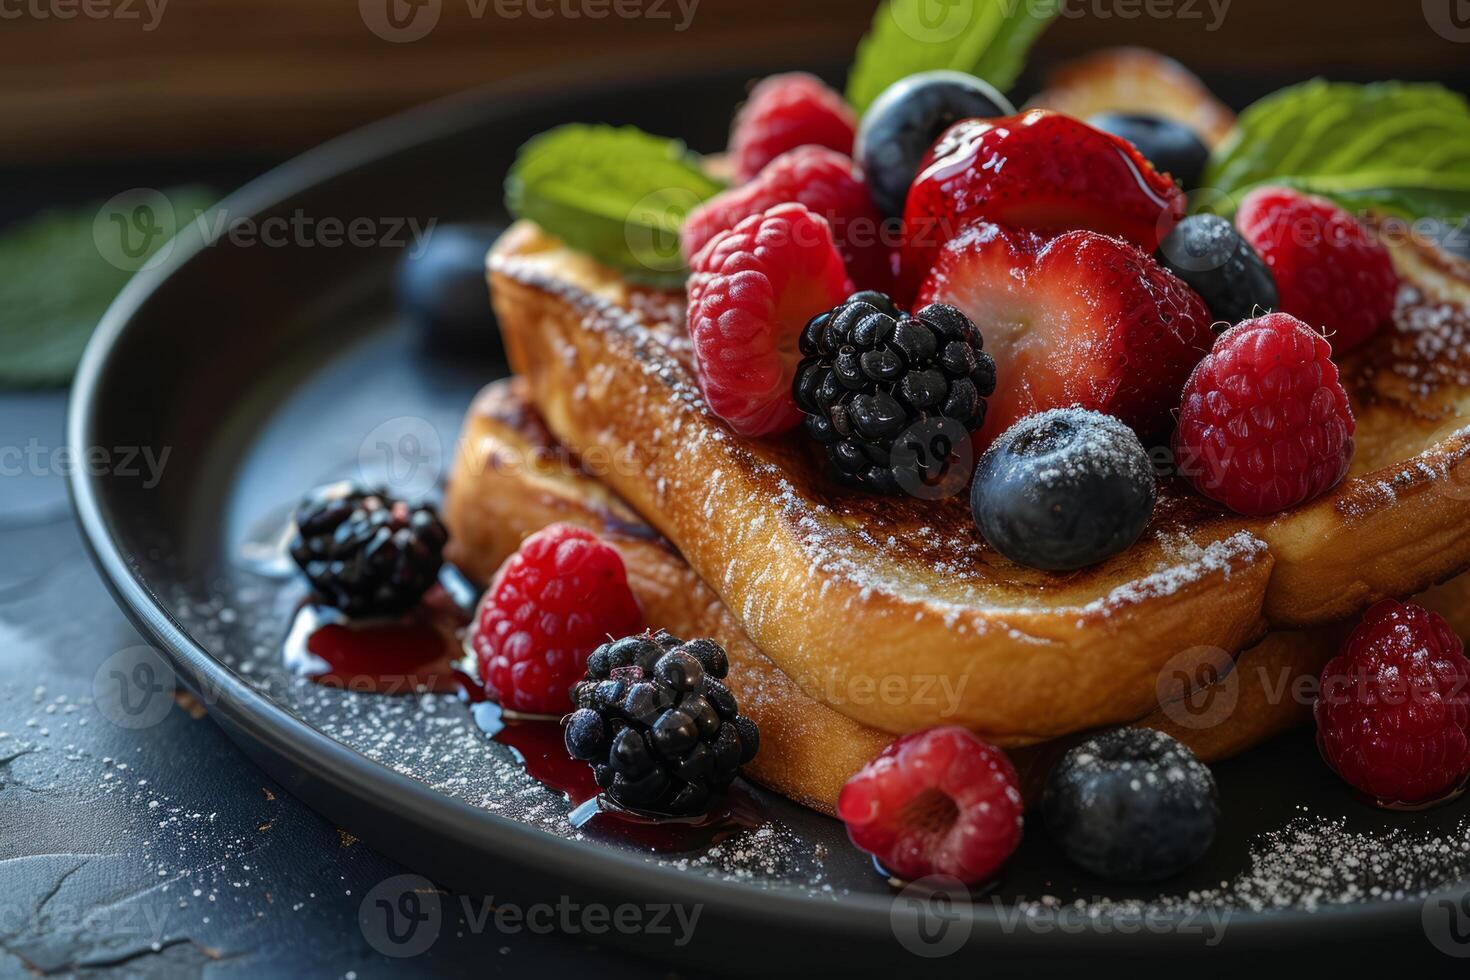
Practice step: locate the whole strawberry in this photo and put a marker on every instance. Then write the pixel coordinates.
(751, 291)
(784, 112)
(1265, 423)
(550, 605)
(1329, 272)
(1393, 711)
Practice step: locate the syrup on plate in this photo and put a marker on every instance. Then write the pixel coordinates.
(417, 652)
(422, 651)
(537, 743)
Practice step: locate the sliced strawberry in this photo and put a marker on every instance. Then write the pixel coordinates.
(1082, 319)
(1039, 171)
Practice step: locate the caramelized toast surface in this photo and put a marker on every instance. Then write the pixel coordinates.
(511, 479)
(846, 592)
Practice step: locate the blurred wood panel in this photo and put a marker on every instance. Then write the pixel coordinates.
(225, 76)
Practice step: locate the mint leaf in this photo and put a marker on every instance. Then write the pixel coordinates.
(1392, 146)
(987, 38)
(59, 279)
(619, 195)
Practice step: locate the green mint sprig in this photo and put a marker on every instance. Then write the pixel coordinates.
(987, 38)
(1393, 146)
(617, 194)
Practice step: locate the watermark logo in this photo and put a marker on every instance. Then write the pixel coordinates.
(1450, 19)
(930, 917)
(134, 230)
(1446, 921)
(1198, 688)
(401, 917)
(933, 459)
(400, 21)
(652, 229)
(934, 21)
(134, 688)
(404, 455)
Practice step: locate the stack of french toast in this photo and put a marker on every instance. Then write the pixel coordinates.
(851, 618)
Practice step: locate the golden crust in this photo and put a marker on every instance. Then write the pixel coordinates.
(511, 479)
(846, 592)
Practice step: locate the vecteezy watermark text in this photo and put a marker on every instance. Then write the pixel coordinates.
(136, 229)
(404, 915)
(147, 12)
(143, 463)
(406, 21)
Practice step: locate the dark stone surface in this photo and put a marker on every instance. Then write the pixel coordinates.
(162, 851)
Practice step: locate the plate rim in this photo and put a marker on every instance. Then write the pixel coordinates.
(291, 738)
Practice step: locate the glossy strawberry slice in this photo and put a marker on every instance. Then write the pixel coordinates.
(1039, 171)
(1082, 319)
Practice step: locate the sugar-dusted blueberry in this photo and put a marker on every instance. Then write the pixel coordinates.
(1132, 805)
(1214, 260)
(1063, 489)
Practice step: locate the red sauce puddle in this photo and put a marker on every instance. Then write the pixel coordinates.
(421, 651)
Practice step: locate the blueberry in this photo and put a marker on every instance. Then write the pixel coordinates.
(585, 735)
(1131, 805)
(1208, 253)
(906, 119)
(1173, 148)
(1063, 489)
(442, 287)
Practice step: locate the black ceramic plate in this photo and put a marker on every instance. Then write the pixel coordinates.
(265, 369)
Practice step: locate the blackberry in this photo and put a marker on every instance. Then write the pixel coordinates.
(891, 395)
(365, 552)
(661, 731)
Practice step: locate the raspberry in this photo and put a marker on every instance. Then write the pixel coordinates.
(1328, 271)
(784, 112)
(823, 181)
(1393, 710)
(939, 801)
(1265, 424)
(550, 605)
(751, 291)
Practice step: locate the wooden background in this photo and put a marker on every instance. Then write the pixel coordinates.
(117, 80)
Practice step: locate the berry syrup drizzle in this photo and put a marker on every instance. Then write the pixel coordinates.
(537, 743)
(423, 651)
(418, 652)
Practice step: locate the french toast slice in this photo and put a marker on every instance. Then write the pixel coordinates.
(511, 479)
(848, 592)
